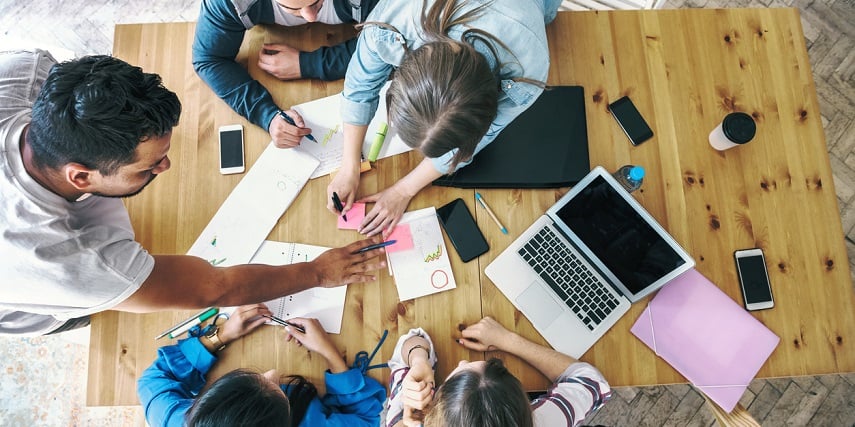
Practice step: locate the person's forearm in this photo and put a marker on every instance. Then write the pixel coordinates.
(335, 362)
(547, 361)
(415, 347)
(354, 135)
(186, 282)
(418, 178)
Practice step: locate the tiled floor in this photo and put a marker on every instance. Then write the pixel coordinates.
(43, 380)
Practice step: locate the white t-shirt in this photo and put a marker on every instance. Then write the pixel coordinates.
(326, 15)
(58, 259)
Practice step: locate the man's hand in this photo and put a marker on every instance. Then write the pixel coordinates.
(286, 135)
(341, 266)
(280, 61)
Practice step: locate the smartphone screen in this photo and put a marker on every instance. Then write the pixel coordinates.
(751, 267)
(231, 149)
(462, 230)
(630, 120)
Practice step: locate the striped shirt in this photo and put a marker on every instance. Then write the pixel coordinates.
(578, 392)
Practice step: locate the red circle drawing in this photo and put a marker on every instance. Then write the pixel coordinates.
(434, 281)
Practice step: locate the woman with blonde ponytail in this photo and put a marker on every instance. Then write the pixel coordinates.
(464, 69)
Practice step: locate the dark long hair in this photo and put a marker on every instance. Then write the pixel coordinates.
(95, 110)
(494, 398)
(245, 398)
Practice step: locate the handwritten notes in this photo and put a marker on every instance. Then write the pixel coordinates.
(424, 268)
(321, 115)
(254, 206)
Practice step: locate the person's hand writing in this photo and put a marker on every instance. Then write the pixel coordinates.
(280, 61)
(317, 340)
(286, 135)
(345, 183)
(242, 321)
(341, 266)
(389, 206)
(486, 335)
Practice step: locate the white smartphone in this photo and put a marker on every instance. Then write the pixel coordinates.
(754, 279)
(231, 149)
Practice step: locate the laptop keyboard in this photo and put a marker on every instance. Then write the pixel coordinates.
(569, 276)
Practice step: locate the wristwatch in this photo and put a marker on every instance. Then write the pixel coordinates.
(215, 339)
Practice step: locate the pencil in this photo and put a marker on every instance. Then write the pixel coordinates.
(483, 203)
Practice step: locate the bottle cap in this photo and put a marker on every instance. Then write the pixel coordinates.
(636, 173)
(739, 127)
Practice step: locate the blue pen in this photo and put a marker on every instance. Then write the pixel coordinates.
(377, 245)
(291, 122)
(483, 203)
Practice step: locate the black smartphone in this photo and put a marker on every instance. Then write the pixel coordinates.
(754, 279)
(462, 230)
(630, 120)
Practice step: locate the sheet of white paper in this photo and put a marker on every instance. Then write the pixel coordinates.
(254, 206)
(324, 118)
(325, 304)
(425, 268)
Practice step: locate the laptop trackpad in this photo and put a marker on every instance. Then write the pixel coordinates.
(538, 305)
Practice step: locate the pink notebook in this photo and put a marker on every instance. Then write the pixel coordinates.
(706, 336)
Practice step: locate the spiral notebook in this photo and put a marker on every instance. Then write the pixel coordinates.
(325, 304)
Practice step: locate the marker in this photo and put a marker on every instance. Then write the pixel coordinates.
(185, 326)
(291, 122)
(337, 203)
(377, 245)
(378, 142)
(483, 203)
(286, 323)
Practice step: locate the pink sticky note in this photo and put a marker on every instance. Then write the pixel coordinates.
(354, 217)
(404, 238)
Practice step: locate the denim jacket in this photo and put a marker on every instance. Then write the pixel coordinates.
(219, 34)
(519, 24)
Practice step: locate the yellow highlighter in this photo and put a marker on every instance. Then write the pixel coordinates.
(378, 142)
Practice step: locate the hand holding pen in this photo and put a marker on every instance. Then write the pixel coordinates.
(287, 129)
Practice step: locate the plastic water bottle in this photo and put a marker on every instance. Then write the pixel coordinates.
(630, 177)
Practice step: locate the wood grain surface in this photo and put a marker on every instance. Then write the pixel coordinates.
(684, 69)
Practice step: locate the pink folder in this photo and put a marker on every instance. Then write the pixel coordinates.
(706, 336)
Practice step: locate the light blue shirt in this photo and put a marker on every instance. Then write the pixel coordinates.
(519, 24)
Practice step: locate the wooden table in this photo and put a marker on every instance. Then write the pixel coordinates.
(685, 69)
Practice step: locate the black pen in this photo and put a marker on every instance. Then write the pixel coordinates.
(286, 323)
(377, 245)
(337, 203)
(291, 122)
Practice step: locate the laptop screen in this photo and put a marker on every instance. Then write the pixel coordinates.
(614, 231)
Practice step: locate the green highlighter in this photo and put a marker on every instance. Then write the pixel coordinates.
(378, 142)
(181, 328)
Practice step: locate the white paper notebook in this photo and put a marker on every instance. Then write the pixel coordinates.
(325, 304)
(254, 206)
(424, 268)
(322, 116)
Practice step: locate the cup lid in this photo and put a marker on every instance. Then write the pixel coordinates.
(739, 127)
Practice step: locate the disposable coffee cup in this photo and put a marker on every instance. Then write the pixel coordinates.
(736, 129)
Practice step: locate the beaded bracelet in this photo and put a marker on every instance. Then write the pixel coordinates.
(415, 347)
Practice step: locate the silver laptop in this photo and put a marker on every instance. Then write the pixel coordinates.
(578, 268)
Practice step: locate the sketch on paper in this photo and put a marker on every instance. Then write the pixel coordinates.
(425, 268)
